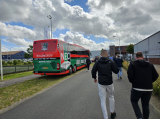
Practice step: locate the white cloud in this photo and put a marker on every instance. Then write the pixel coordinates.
(79, 39)
(8, 48)
(20, 49)
(16, 31)
(131, 20)
(18, 41)
(69, 0)
(4, 48)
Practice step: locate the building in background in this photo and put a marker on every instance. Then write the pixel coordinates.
(150, 47)
(11, 55)
(114, 50)
(97, 53)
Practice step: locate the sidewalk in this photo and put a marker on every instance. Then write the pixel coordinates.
(17, 80)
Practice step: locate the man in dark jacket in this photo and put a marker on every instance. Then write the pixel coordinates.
(105, 66)
(96, 59)
(119, 62)
(88, 61)
(114, 59)
(141, 74)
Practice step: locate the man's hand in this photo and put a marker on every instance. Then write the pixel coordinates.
(95, 80)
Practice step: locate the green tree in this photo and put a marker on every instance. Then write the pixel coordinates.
(101, 50)
(130, 49)
(15, 62)
(29, 53)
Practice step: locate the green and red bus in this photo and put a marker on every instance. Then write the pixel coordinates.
(56, 57)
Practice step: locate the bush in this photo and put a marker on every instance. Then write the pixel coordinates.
(3, 63)
(9, 62)
(125, 65)
(30, 63)
(156, 87)
(15, 62)
(25, 63)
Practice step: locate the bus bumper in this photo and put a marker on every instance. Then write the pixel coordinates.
(61, 73)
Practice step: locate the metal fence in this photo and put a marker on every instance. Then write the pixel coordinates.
(14, 69)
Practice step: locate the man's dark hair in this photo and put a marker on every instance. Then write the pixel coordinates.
(139, 55)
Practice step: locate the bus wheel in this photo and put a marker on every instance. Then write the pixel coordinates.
(70, 70)
(75, 69)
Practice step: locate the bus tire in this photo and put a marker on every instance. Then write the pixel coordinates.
(74, 69)
(70, 70)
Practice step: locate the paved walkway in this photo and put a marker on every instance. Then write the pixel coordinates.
(17, 80)
(76, 98)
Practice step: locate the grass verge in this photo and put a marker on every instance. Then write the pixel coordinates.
(16, 75)
(156, 87)
(14, 93)
(156, 84)
(91, 64)
(125, 65)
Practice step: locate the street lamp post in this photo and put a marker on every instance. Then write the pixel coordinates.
(49, 16)
(1, 59)
(11, 54)
(119, 45)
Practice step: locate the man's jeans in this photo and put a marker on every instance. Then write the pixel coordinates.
(145, 98)
(88, 65)
(120, 71)
(103, 91)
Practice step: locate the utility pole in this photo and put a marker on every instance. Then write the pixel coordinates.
(1, 59)
(119, 45)
(48, 33)
(49, 16)
(145, 55)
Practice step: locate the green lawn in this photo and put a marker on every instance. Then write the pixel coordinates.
(11, 94)
(16, 75)
(91, 64)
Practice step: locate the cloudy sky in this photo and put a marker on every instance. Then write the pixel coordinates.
(89, 23)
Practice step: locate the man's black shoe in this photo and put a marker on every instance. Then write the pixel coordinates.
(113, 115)
(120, 77)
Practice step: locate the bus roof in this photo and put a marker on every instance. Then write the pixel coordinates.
(45, 40)
(61, 41)
(73, 44)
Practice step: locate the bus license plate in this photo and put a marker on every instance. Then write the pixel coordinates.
(44, 67)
